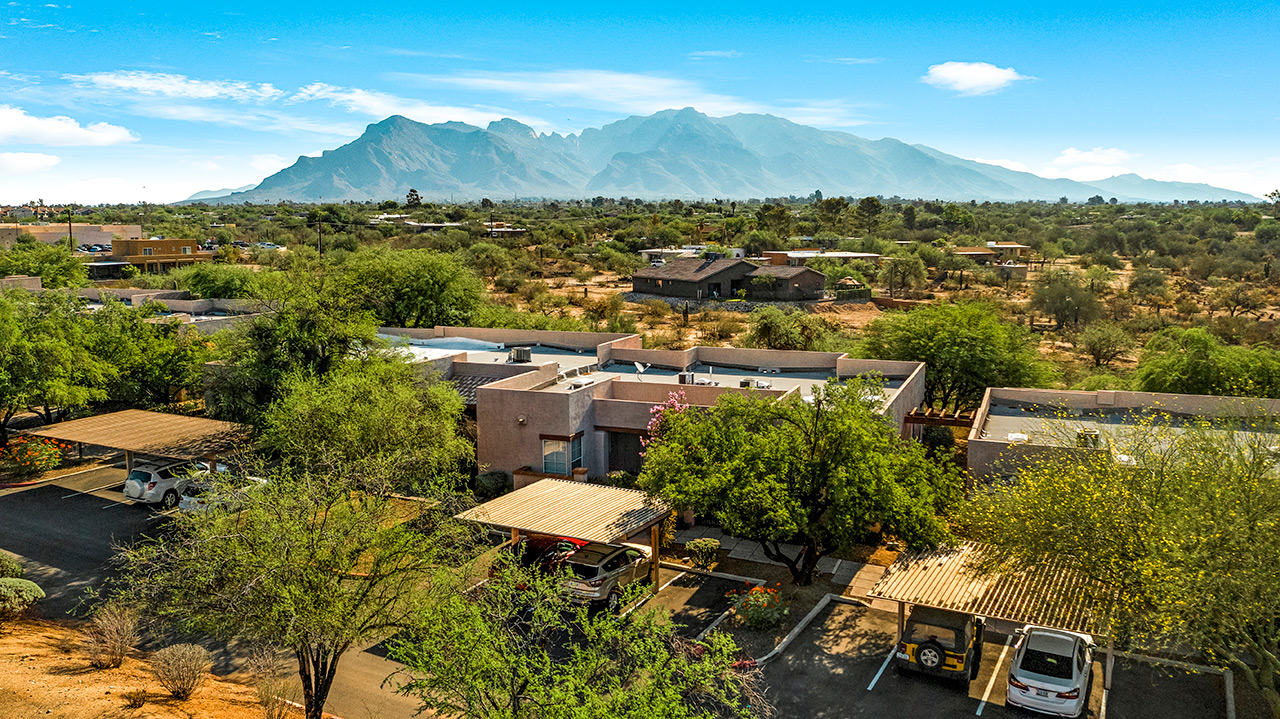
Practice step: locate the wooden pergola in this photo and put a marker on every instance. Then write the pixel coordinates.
(138, 431)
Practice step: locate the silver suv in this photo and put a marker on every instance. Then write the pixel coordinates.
(158, 482)
(599, 573)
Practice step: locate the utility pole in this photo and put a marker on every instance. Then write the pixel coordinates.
(71, 238)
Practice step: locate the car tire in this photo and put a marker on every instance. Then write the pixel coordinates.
(613, 603)
(169, 500)
(931, 656)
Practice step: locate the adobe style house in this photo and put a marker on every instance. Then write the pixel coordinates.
(81, 234)
(699, 279)
(158, 254)
(1014, 426)
(576, 404)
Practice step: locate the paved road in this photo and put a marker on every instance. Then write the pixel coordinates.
(64, 533)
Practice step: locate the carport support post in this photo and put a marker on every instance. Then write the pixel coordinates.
(902, 620)
(655, 538)
(128, 461)
(1111, 661)
(515, 536)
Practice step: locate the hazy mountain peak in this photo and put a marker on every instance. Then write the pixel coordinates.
(673, 153)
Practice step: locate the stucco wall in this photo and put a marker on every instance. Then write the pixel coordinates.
(21, 282)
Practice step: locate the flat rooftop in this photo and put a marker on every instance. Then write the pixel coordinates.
(474, 350)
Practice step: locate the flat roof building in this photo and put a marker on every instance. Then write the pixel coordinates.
(81, 234)
(576, 404)
(1013, 426)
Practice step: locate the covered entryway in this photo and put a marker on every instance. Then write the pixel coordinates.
(577, 510)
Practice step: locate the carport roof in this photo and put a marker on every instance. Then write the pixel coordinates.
(165, 435)
(590, 512)
(1049, 594)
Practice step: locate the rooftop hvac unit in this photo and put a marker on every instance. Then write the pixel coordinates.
(685, 378)
(1088, 438)
(744, 383)
(521, 354)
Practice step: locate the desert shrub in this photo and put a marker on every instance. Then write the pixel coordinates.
(181, 668)
(508, 282)
(10, 568)
(654, 310)
(704, 552)
(135, 698)
(112, 632)
(669, 340)
(759, 607)
(621, 478)
(936, 439)
(492, 484)
(16, 595)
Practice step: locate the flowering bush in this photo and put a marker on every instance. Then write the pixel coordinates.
(658, 413)
(29, 456)
(759, 607)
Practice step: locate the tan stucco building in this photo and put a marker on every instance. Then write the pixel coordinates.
(576, 404)
(158, 254)
(82, 234)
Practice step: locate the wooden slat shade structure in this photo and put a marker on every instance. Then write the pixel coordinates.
(589, 512)
(936, 417)
(1049, 595)
(153, 433)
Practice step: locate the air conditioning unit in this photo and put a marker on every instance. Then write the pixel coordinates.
(685, 378)
(1088, 438)
(521, 354)
(745, 383)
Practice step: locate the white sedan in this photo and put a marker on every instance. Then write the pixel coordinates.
(1050, 671)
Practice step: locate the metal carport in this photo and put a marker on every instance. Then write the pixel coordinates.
(588, 512)
(959, 579)
(155, 433)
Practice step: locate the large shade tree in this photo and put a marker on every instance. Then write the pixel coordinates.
(966, 347)
(1182, 537)
(817, 473)
(517, 648)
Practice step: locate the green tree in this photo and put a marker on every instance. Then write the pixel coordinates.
(1193, 361)
(830, 211)
(777, 329)
(902, 272)
(53, 264)
(518, 648)
(412, 199)
(215, 280)
(1061, 295)
(966, 349)
(1149, 286)
(1185, 557)
(412, 288)
(154, 362)
(309, 564)
(776, 219)
(868, 213)
(951, 262)
(1100, 278)
(1103, 341)
(815, 472)
(1237, 297)
(377, 415)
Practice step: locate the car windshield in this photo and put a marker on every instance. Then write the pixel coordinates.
(1046, 664)
(921, 632)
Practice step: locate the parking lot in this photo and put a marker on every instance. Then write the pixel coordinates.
(693, 600)
(838, 667)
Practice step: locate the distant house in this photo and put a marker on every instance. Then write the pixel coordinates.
(700, 279)
(1007, 250)
(981, 255)
(158, 254)
(801, 257)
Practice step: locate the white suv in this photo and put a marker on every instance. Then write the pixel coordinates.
(158, 482)
(599, 573)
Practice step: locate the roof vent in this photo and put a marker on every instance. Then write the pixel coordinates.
(581, 382)
(1088, 438)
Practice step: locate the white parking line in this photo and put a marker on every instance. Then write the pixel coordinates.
(95, 489)
(995, 673)
(673, 579)
(887, 659)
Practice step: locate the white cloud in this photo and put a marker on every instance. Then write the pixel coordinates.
(1072, 157)
(382, 105)
(26, 162)
(1088, 165)
(634, 93)
(971, 78)
(1006, 164)
(714, 55)
(260, 119)
(176, 86)
(16, 126)
(268, 162)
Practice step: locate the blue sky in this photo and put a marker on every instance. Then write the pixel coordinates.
(120, 102)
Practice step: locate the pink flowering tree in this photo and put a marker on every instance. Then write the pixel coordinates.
(660, 416)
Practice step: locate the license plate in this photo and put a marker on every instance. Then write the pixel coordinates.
(902, 655)
(1042, 692)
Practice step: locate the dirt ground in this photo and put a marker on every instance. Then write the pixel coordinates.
(45, 672)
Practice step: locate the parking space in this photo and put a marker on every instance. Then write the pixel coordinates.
(838, 667)
(64, 531)
(693, 600)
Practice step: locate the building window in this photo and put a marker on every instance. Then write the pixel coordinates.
(186, 250)
(560, 456)
(147, 251)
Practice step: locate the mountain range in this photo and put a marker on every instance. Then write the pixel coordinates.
(671, 154)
